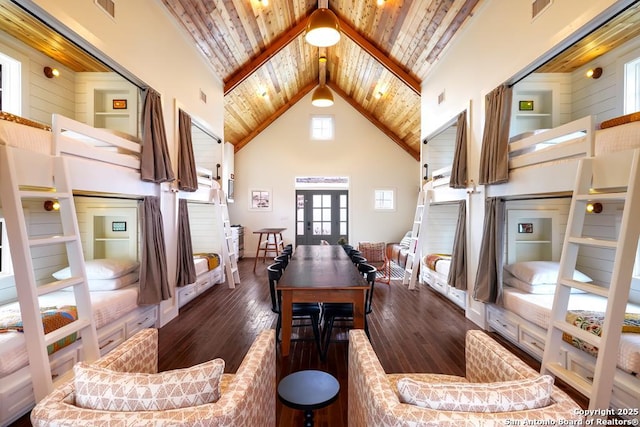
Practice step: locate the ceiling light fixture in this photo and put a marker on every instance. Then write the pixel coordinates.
(381, 2)
(264, 3)
(595, 73)
(322, 96)
(322, 28)
(51, 72)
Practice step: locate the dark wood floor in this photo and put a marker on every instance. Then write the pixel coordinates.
(411, 331)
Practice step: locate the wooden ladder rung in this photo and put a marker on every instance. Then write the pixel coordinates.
(576, 381)
(59, 284)
(52, 240)
(587, 287)
(578, 333)
(66, 330)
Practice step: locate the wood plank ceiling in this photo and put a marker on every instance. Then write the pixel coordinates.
(377, 67)
(261, 49)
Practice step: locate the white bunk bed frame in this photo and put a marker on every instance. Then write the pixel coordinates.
(90, 154)
(540, 172)
(551, 169)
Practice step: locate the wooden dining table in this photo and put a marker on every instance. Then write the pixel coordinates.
(322, 273)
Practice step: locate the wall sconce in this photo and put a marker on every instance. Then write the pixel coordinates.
(51, 72)
(595, 207)
(426, 171)
(595, 73)
(51, 205)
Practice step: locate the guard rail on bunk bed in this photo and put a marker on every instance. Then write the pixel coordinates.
(545, 161)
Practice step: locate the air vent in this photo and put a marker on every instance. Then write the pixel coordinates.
(109, 6)
(539, 6)
(203, 96)
(441, 97)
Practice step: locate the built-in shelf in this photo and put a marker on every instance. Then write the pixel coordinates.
(532, 235)
(111, 239)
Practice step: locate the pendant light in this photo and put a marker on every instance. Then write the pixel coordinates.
(322, 96)
(322, 28)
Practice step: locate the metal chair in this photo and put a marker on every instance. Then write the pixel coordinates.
(301, 311)
(343, 312)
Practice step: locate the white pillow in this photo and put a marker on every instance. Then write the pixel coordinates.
(542, 288)
(106, 390)
(540, 272)
(110, 284)
(517, 395)
(106, 268)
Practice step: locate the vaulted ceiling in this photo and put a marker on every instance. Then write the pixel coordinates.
(384, 53)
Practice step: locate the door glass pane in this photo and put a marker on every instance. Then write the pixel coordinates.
(326, 200)
(343, 228)
(326, 228)
(317, 228)
(317, 214)
(326, 214)
(300, 201)
(317, 200)
(300, 229)
(300, 215)
(343, 214)
(343, 200)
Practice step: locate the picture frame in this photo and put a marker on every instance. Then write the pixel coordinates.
(260, 200)
(118, 226)
(525, 227)
(119, 104)
(525, 105)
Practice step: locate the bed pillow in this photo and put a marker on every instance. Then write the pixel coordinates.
(110, 284)
(541, 288)
(518, 395)
(100, 269)
(540, 272)
(106, 390)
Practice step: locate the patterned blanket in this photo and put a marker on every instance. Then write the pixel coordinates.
(52, 318)
(212, 259)
(592, 321)
(432, 259)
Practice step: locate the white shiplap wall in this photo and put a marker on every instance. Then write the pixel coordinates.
(204, 222)
(441, 228)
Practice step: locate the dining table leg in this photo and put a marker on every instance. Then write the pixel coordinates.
(287, 318)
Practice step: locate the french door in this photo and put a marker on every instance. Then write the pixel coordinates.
(321, 215)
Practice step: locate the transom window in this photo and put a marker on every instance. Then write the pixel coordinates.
(322, 128)
(632, 86)
(6, 268)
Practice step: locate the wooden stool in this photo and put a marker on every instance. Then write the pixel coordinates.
(308, 390)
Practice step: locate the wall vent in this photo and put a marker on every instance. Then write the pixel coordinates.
(109, 6)
(203, 96)
(539, 6)
(441, 98)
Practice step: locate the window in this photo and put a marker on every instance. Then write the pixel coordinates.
(6, 268)
(322, 128)
(10, 85)
(632, 86)
(384, 200)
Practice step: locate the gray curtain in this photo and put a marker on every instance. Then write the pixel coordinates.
(488, 286)
(154, 286)
(494, 157)
(187, 176)
(155, 163)
(458, 271)
(186, 273)
(459, 167)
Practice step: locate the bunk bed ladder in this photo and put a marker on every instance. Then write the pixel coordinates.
(229, 255)
(28, 286)
(617, 292)
(417, 240)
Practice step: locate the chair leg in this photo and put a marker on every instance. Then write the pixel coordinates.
(316, 333)
(326, 332)
(278, 325)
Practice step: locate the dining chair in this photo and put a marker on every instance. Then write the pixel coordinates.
(304, 313)
(343, 312)
(282, 259)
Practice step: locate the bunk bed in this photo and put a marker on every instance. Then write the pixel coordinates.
(446, 191)
(545, 163)
(91, 154)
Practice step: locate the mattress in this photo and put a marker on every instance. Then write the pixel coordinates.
(536, 308)
(27, 137)
(617, 138)
(108, 306)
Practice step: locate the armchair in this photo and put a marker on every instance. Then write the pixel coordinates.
(375, 400)
(247, 397)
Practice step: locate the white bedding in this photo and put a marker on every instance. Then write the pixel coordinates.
(443, 266)
(617, 138)
(27, 137)
(107, 307)
(202, 265)
(536, 308)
